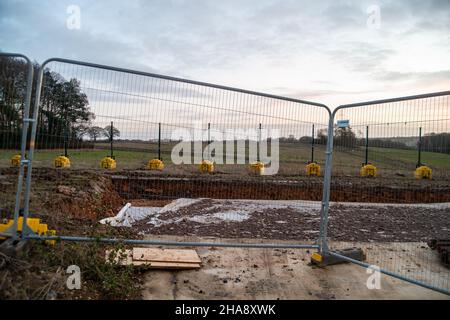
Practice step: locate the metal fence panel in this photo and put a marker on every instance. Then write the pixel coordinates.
(16, 78)
(105, 135)
(81, 106)
(391, 160)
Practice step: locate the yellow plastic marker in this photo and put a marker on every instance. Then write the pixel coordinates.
(423, 172)
(206, 166)
(257, 167)
(313, 169)
(155, 164)
(108, 163)
(15, 160)
(62, 162)
(368, 170)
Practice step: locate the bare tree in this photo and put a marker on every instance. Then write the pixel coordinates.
(115, 132)
(96, 132)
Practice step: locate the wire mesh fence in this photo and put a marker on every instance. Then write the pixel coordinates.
(16, 76)
(188, 156)
(392, 160)
(174, 157)
(13, 73)
(13, 86)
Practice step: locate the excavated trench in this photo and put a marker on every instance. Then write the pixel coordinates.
(343, 189)
(70, 201)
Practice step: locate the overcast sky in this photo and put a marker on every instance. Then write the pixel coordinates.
(326, 51)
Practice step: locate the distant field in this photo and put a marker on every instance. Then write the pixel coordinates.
(81, 158)
(432, 159)
(293, 157)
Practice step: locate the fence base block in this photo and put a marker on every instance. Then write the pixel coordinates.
(326, 259)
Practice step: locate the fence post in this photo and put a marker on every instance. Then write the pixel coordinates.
(258, 146)
(23, 146)
(65, 141)
(159, 141)
(367, 146)
(209, 140)
(323, 241)
(312, 145)
(111, 132)
(37, 98)
(419, 147)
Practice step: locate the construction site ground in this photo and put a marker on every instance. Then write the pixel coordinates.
(73, 202)
(240, 273)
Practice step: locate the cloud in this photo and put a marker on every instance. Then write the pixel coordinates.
(416, 77)
(298, 48)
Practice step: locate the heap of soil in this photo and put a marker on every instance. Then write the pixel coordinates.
(69, 201)
(343, 189)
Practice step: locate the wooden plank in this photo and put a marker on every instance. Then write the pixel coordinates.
(168, 265)
(126, 258)
(166, 255)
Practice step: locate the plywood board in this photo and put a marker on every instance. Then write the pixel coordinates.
(126, 258)
(167, 265)
(166, 255)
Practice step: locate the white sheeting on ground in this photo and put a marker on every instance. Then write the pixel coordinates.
(228, 210)
(129, 215)
(220, 210)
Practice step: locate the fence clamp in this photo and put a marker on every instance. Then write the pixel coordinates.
(29, 120)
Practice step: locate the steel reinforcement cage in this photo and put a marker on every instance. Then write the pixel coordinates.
(183, 85)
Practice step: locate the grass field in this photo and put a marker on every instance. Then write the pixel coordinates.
(293, 157)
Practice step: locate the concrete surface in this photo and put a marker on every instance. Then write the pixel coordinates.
(235, 273)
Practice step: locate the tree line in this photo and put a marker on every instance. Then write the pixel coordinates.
(13, 80)
(64, 112)
(346, 137)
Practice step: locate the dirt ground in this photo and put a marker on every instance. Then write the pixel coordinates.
(235, 273)
(396, 189)
(293, 220)
(71, 204)
(73, 201)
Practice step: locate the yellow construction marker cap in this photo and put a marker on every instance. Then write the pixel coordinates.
(15, 160)
(155, 164)
(108, 163)
(313, 169)
(423, 172)
(206, 166)
(62, 162)
(368, 170)
(257, 167)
